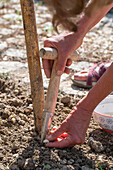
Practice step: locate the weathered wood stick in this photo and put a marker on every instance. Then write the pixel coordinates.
(52, 92)
(37, 91)
(50, 102)
(52, 54)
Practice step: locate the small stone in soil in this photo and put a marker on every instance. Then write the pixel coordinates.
(86, 168)
(15, 146)
(1, 156)
(15, 167)
(71, 161)
(21, 163)
(66, 99)
(2, 106)
(95, 145)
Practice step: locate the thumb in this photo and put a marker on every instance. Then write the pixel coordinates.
(60, 66)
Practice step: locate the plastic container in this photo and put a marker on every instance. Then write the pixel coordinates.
(103, 114)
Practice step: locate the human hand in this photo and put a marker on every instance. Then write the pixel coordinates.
(72, 131)
(66, 44)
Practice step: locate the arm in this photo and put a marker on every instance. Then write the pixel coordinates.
(105, 85)
(66, 43)
(93, 13)
(77, 122)
(103, 88)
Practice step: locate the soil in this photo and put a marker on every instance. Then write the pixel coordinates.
(20, 147)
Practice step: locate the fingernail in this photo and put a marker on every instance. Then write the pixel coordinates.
(49, 137)
(59, 73)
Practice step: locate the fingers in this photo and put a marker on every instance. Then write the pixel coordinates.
(47, 65)
(67, 70)
(56, 134)
(66, 142)
(62, 60)
(59, 138)
(61, 66)
(69, 62)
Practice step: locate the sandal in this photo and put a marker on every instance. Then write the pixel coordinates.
(94, 74)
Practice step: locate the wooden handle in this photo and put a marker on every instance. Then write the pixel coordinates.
(51, 54)
(52, 92)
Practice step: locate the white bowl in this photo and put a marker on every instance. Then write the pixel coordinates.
(103, 114)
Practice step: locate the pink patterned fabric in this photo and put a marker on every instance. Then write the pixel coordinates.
(92, 73)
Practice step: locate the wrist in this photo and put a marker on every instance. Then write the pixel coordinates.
(83, 24)
(86, 103)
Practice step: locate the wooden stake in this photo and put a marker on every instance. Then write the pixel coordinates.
(31, 38)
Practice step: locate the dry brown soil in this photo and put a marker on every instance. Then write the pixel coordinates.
(20, 147)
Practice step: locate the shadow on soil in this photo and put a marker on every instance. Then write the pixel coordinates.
(38, 157)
